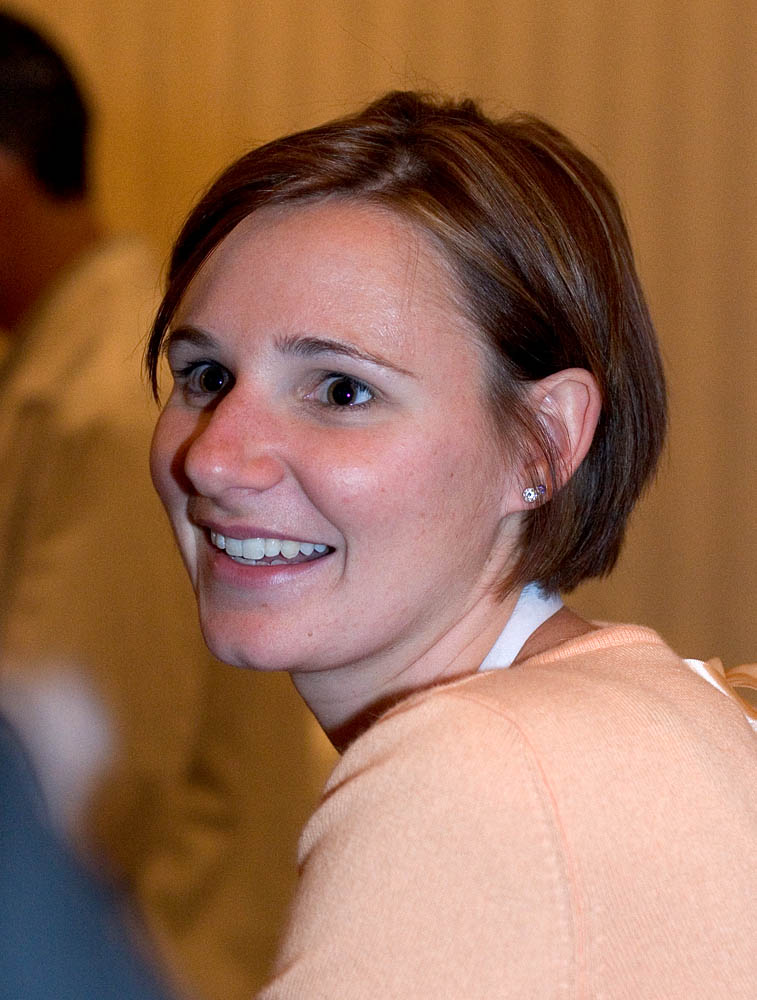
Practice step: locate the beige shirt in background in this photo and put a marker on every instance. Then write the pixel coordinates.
(582, 825)
(214, 772)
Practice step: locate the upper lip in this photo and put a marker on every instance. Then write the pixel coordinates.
(236, 530)
(206, 516)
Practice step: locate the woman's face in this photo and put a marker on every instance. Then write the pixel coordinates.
(325, 455)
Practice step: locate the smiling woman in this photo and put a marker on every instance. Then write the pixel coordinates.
(416, 393)
(345, 410)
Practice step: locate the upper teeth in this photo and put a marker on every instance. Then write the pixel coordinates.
(259, 548)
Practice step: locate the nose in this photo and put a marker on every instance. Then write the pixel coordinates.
(234, 448)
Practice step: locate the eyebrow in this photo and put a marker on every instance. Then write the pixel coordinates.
(302, 346)
(311, 347)
(190, 335)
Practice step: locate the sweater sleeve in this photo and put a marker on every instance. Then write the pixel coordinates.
(435, 867)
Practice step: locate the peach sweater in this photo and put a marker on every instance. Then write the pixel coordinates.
(583, 825)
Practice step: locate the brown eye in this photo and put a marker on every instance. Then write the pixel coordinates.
(203, 382)
(212, 379)
(345, 391)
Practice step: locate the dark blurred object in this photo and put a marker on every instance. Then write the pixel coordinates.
(63, 934)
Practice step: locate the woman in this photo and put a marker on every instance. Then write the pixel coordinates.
(416, 395)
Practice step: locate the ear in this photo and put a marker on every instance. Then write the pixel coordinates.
(567, 405)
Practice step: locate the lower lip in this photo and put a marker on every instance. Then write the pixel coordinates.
(226, 570)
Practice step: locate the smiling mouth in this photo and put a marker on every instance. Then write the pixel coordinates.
(268, 551)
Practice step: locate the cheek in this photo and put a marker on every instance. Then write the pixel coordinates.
(456, 490)
(166, 457)
(429, 484)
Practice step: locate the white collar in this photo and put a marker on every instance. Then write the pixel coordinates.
(533, 608)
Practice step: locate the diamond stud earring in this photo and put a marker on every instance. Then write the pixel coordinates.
(533, 493)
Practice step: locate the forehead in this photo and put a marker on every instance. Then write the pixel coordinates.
(334, 263)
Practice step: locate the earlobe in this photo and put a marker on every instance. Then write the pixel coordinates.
(568, 405)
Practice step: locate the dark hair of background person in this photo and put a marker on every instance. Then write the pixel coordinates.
(44, 120)
(535, 235)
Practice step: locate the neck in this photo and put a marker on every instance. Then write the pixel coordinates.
(347, 699)
(562, 626)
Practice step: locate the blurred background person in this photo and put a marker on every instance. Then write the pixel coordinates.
(197, 811)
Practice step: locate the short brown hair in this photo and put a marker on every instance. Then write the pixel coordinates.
(535, 234)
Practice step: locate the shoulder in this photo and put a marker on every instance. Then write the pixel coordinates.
(415, 858)
(624, 678)
(440, 828)
(566, 724)
(486, 818)
(82, 342)
(601, 673)
(475, 840)
(117, 272)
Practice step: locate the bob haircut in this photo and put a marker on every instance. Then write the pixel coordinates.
(534, 232)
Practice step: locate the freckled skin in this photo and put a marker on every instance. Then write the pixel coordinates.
(412, 491)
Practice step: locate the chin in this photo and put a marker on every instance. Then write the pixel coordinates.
(264, 654)
(237, 654)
